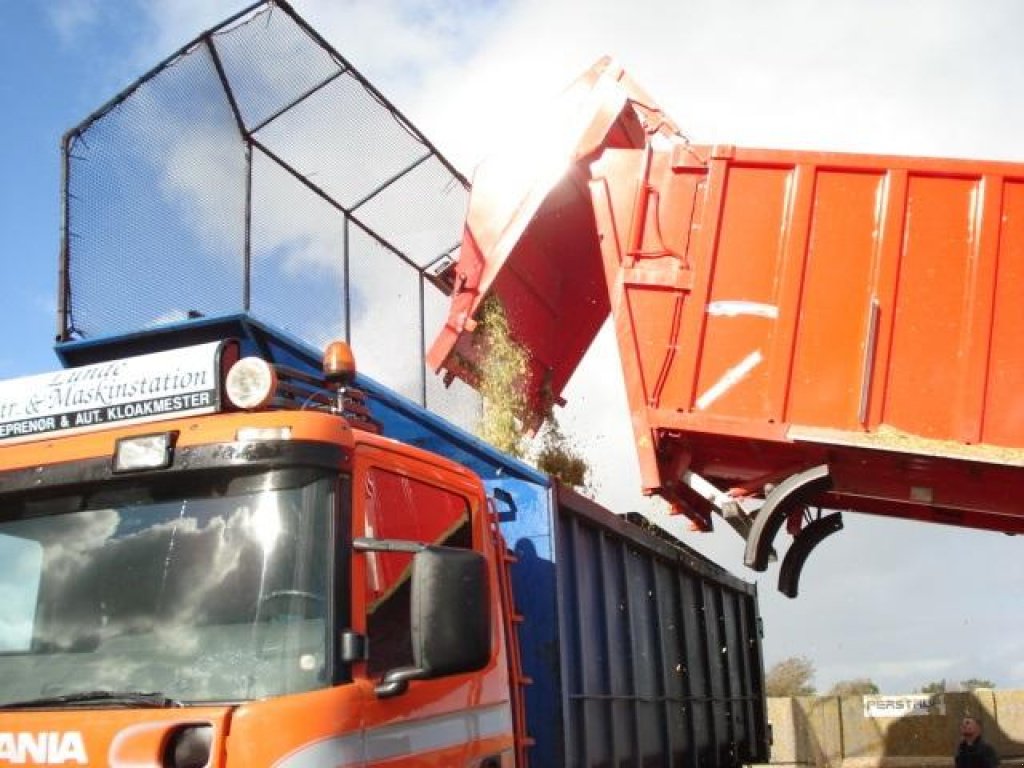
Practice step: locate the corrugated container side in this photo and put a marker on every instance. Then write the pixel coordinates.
(659, 649)
(778, 311)
(866, 290)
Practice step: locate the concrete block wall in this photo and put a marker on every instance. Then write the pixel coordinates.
(835, 732)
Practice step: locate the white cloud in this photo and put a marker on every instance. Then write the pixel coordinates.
(872, 76)
(71, 17)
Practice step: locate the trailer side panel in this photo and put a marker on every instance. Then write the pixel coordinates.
(659, 649)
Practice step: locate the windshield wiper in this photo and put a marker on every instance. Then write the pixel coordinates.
(103, 698)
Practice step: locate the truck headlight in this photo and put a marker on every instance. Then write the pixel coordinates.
(250, 384)
(132, 454)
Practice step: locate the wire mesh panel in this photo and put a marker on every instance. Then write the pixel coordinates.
(257, 171)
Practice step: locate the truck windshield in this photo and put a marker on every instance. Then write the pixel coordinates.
(203, 590)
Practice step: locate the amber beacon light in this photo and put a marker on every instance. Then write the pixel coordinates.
(339, 364)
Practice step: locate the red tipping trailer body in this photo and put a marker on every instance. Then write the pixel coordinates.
(812, 329)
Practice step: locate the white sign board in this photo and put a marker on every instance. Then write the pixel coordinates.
(908, 705)
(160, 385)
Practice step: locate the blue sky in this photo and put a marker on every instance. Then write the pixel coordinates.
(899, 602)
(52, 77)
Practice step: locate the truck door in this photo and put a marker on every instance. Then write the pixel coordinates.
(457, 720)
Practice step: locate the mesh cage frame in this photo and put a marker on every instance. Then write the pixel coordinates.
(256, 170)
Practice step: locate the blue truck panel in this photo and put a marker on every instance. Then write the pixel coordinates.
(641, 651)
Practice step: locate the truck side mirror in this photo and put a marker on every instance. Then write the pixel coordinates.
(450, 622)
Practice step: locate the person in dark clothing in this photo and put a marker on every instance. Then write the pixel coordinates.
(974, 751)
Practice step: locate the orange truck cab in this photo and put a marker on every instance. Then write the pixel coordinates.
(215, 552)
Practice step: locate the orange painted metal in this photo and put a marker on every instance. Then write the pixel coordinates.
(193, 431)
(108, 736)
(775, 310)
(533, 245)
(347, 724)
(511, 620)
(452, 694)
